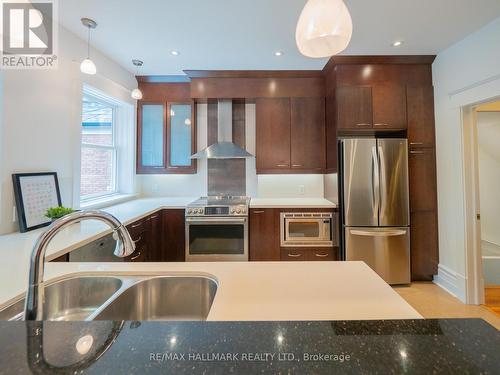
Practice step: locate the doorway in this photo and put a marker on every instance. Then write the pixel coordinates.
(486, 130)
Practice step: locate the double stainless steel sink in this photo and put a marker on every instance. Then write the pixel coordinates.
(123, 298)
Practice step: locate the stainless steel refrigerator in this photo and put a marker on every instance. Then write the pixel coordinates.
(375, 196)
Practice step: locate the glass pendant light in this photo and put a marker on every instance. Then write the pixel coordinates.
(87, 66)
(136, 93)
(324, 28)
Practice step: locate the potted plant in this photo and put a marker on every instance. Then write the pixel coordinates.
(55, 213)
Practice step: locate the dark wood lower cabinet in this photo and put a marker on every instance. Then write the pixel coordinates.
(174, 235)
(309, 254)
(424, 245)
(265, 238)
(155, 238)
(263, 235)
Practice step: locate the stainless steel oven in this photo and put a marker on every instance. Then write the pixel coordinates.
(216, 239)
(306, 229)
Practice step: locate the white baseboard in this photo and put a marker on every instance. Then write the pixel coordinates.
(452, 282)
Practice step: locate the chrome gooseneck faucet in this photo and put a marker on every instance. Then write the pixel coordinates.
(35, 295)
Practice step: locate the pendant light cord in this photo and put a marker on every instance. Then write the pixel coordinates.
(88, 43)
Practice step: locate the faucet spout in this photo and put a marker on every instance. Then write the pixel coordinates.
(35, 294)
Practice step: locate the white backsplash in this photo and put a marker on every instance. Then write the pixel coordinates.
(331, 187)
(290, 186)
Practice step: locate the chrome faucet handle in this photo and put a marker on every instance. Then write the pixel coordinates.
(35, 294)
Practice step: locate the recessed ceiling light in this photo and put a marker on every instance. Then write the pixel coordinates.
(278, 53)
(175, 53)
(397, 43)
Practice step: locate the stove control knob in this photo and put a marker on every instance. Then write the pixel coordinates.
(238, 211)
(190, 211)
(200, 211)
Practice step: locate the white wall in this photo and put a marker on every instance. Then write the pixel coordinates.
(488, 136)
(471, 68)
(42, 117)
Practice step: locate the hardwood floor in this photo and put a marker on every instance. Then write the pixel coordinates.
(492, 298)
(431, 301)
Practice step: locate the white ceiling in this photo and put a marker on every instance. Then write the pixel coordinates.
(244, 34)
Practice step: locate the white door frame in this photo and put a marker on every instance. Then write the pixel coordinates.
(474, 272)
(466, 99)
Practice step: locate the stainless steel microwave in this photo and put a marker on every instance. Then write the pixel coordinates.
(306, 229)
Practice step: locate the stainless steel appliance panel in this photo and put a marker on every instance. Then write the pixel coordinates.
(216, 239)
(360, 182)
(307, 229)
(385, 250)
(394, 193)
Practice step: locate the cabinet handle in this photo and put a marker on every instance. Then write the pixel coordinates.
(294, 255)
(416, 152)
(381, 124)
(363, 124)
(137, 240)
(282, 165)
(136, 225)
(321, 255)
(154, 217)
(416, 143)
(296, 165)
(137, 256)
(258, 212)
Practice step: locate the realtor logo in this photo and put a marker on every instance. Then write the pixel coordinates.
(28, 34)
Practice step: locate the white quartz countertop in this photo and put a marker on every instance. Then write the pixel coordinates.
(15, 248)
(291, 202)
(254, 291)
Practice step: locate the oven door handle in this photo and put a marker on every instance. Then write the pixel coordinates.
(215, 220)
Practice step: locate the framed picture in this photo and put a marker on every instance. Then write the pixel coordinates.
(35, 193)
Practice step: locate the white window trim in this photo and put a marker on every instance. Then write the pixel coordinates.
(123, 138)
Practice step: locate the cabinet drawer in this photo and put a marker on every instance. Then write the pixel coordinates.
(292, 255)
(136, 229)
(321, 254)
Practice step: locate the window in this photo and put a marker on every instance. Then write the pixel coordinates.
(166, 138)
(98, 152)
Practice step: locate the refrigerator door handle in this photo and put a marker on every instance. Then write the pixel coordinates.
(375, 180)
(388, 233)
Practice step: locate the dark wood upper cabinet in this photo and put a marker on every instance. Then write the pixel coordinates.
(165, 141)
(308, 133)
(421, 126)
(181, 137)
(262, 238)
(354, 107)
(273, 133)
(379, 107)
(389, 106)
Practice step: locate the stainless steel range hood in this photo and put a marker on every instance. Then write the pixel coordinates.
(224, 148)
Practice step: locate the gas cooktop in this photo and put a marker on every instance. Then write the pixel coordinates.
(219, 206)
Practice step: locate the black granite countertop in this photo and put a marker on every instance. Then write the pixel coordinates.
(450, 346)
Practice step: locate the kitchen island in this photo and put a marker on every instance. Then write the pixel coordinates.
(271, 291)
(449, 346)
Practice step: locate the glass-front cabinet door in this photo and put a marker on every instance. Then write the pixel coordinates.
(180, 146)
(165, 138)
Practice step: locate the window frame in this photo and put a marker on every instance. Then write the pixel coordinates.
(114, 148)
(166, 168)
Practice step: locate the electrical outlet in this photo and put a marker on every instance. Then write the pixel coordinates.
(14, 214)
(302, 189)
